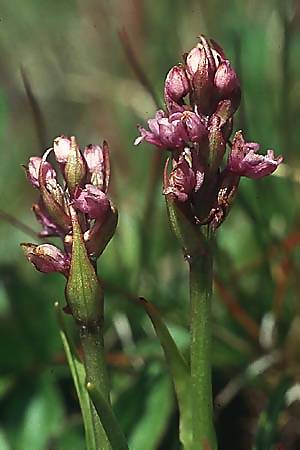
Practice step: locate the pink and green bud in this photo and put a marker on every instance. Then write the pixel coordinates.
(244, 160)
(62, 148)
(47, 258)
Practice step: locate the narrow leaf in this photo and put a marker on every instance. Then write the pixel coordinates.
(79, 377)
(109, 422)
(150, 427)
(179, 371)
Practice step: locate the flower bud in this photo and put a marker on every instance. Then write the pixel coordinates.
(47, 258)
(83, 290)
(228, 84)
(196, 60)
(75, 167)
(62, 147)
(177, 86)
(202, 66)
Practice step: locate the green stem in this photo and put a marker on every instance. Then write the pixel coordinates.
(94, 361)
(202, 404)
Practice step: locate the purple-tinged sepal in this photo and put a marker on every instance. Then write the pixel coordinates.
(181, 182)
(53, 199)
(92, 201)
(97, 237)
(49, 227)
(195, 128)
(217, 144)
(226, 194)
(244, 160)
(47, 258)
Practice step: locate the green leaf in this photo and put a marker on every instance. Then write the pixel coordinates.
(153, 422)
(108, 419)
(179, 372)
(43, 418)
(268, 420)
(79, 377)
(71, 438)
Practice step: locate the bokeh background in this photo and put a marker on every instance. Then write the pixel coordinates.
(71, 67)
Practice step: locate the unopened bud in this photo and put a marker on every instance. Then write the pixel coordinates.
(83, 290)
(62, 147)
(177, 86)
(227, 84)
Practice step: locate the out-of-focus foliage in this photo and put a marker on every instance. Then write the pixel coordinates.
(83, 84)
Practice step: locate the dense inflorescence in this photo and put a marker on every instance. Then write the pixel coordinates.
(202, 95)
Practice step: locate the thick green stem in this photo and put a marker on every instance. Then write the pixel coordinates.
(94, 361)
(202, 404)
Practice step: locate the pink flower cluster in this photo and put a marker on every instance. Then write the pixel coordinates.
(82, 190)
(201, 96)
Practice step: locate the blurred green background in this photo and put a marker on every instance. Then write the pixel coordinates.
(80, 81)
